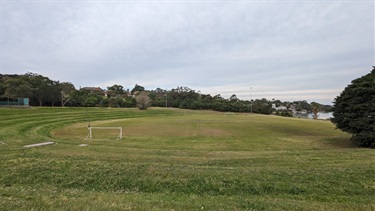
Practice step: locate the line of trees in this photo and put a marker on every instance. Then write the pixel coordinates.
(39, 89)
(186, 98)
(43, 91)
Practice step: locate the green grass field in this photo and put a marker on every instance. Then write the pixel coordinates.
(172, 159)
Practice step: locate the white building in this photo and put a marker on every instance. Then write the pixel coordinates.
(279, 108)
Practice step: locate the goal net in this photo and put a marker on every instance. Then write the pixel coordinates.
(104, 133)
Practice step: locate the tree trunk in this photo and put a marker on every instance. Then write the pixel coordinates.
(40, 102)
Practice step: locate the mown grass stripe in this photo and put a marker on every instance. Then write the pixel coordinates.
(182, 160)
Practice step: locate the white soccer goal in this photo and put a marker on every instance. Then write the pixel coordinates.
(112, 133)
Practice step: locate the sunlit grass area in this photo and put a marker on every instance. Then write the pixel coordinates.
(179, 159)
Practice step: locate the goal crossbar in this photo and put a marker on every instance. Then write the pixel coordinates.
(119, 137)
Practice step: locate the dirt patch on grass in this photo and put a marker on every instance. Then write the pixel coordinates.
(138, 128)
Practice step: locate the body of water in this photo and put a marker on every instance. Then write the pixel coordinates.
(327, 115)
(321, 115)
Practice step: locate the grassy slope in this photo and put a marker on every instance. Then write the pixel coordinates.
(178, 159)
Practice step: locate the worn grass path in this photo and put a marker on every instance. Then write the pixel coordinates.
(180, 160)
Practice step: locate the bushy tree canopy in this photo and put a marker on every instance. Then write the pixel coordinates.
(137, 88)
(354, 110)
(143, 101)
(315, 108)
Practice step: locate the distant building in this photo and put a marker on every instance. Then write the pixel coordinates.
(96, 90)
(14, 102)
(279, 108)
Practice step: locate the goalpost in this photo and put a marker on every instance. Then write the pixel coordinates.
(89, 136)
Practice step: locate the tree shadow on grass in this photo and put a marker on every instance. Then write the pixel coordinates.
(339, 142)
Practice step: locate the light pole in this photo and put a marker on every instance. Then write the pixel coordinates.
(166, 98)
(251, 101)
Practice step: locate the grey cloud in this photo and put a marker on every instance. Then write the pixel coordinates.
(294, 45)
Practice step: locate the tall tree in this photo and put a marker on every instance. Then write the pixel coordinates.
(137, 88)
(315, 108)
(66, 88)
(354, 110)
(43, 87)
(116, 90)
(143, 101)
(53, 94)
(77, 97)
(234, 98)
(17, 88)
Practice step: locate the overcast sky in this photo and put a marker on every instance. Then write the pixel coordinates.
(287, 50)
